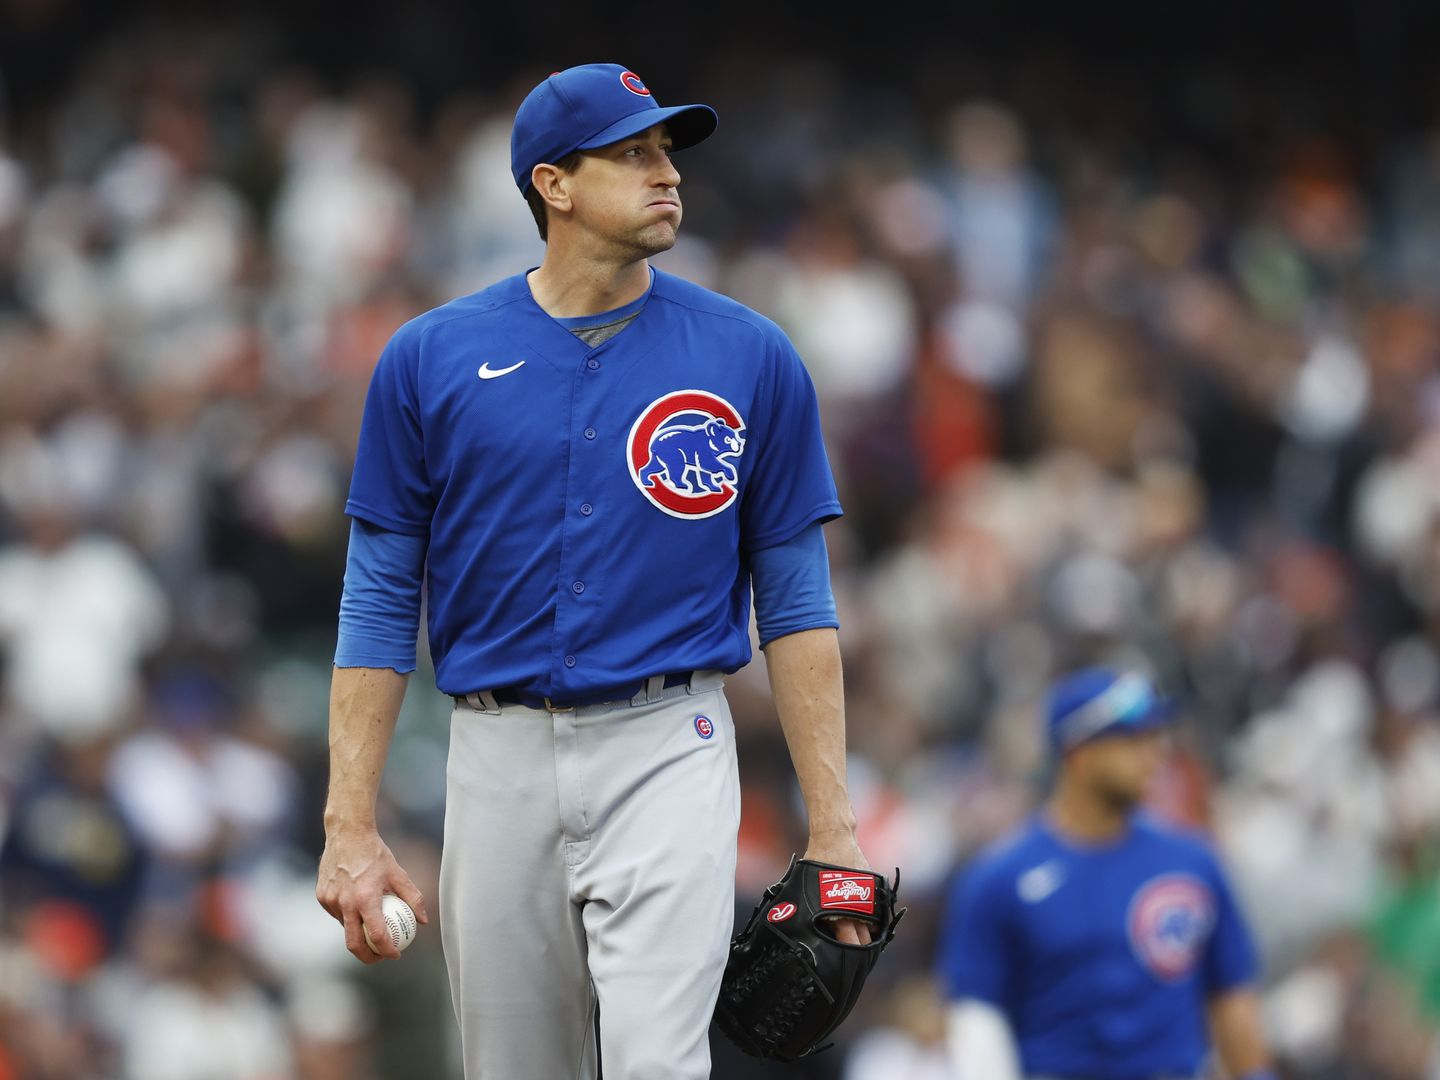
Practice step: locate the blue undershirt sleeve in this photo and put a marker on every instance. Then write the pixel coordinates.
(380, 606)
(792, 585)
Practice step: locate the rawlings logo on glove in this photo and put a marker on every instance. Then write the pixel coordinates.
(845, 891)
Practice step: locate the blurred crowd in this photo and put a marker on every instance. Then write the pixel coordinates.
(1088, 397)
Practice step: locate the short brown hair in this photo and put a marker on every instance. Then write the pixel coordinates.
(567, 164)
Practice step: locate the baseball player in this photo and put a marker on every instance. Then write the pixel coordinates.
(593, 464)
(1096, 943)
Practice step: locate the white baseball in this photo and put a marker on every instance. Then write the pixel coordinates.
(400, 922)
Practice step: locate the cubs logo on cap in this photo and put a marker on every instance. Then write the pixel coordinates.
(1169, 922)
(683, 453)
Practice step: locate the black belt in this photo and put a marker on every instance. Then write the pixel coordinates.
(514, 695)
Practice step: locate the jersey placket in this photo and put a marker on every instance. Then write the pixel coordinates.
(572, 605)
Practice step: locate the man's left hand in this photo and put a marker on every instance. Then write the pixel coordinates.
(841, 849)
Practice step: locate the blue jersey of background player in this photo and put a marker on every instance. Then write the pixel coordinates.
(1097, 943)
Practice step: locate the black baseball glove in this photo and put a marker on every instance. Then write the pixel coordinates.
(789, 983)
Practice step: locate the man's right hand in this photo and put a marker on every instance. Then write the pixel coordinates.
(356, 869)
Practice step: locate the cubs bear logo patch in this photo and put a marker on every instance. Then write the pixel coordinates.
(1169, 922)
(683, 453)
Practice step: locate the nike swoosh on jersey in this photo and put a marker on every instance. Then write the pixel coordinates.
(486, 372)
(1038, 883)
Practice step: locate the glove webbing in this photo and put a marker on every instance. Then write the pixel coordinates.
(785, 1010)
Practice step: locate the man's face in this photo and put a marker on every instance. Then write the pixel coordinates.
(626, 194)
(1118, 769)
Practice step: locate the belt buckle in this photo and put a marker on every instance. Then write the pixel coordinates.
(551, 707)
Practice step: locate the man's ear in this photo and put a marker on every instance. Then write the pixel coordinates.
(550, 184)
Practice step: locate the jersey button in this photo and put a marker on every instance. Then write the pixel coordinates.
(579, 587)
(593, 364)
(589, 432)
(569, 661)
(586, 509)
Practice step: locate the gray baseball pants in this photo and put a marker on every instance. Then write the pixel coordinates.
(589, 857)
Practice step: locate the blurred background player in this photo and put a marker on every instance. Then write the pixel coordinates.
(1095, 942)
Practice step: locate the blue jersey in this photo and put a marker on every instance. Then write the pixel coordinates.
(1103, 957)
(589, 510)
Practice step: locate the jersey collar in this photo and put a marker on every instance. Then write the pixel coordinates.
(546, 337)
(614, 315)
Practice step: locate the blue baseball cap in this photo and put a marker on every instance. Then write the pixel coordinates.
(594, 105)
(1099, 701)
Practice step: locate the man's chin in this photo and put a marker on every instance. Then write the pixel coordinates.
(656, 239)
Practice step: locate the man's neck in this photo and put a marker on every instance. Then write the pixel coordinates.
(1079, 815)
(568, 288)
